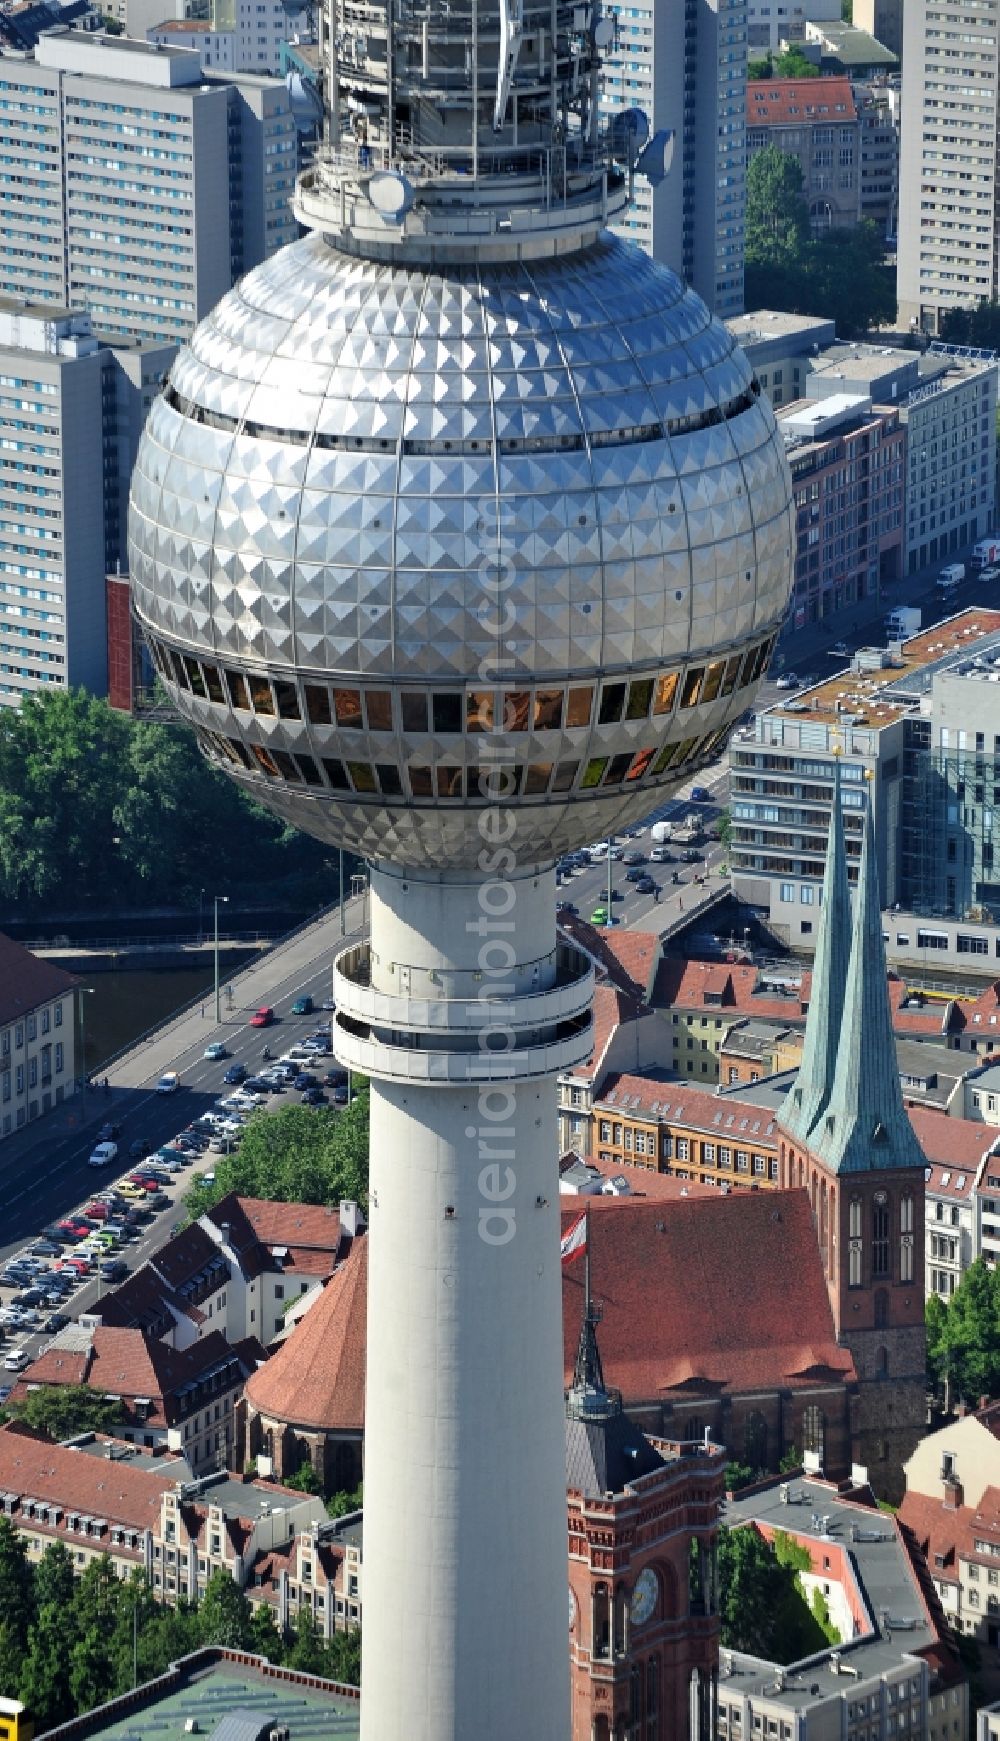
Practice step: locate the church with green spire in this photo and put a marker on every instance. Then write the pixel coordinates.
(846, 1139)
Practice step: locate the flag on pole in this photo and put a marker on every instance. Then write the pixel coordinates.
(575, 1239)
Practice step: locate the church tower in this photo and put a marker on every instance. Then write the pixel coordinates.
(643, 1519)
(846, 1139)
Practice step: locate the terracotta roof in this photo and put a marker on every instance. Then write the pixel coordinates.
(185, 1255)
(309, 1232)
(729, 985)
(644, 1182)
(686, 1103)
(794, 102)
(627, 958)
(27, 981)
(720, 1292)
(125, 1363)
(58, 1366)
(613, 1008)
(317, 1377)
(75, 1481)
(952, 1143)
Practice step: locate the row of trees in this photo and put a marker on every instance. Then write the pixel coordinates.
(792, 63)
(69, 1643)
(963, 1338)
(95, 806)
(841, 275)
(301, 1154)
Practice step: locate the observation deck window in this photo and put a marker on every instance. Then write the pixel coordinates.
(713, 680)
(347, 708)
(449, 782)
(579, 706)
(288, 701)
(308, 769)
(516, 710)
(612, 704)
(617, 769)
(479, 710)
(548, 709)
(447, 707)
(565, 775)
(378, 706)
(592, 772)
(213, 683)
(666, 692)
(336, 773)
(239, 695)
(317, 705)
(195, 678)
(362, 777)
(640, 694)
(260, 695)
(414, 703)
(537, 779)
(389, 780)
(692, 687)
(421, 784)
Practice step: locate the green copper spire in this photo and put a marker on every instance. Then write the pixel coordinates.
(811, 1090)
(864, 1127)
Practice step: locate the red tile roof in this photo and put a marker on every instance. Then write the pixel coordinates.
(125, 1363)
(317, 1377)
(794, 102)
(951, 1143)
(725, 1292)
(26, 981)
(76, 1481)
(644, 1182)
(627, 959)
(686, 1103)
(309, 1232)
(613, 1008)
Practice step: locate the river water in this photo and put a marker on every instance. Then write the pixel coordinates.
(118, 1007)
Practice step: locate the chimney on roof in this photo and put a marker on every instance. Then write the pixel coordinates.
(954, 1494)
(352, 1218)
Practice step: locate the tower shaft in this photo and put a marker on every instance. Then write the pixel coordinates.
(463, 1011)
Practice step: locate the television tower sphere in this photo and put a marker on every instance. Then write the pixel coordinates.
(460, 534)
(384, 510)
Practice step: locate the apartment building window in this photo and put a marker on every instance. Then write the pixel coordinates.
(683, 1147)
(605, 1130)
(725, 1157)
(708, 1153)
(45, 1021)
(666, 1147)
(58, 1015)
(59, 1056)
(742, 1161)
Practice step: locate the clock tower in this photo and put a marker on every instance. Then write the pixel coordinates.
(846, 1138)
(643, 1609)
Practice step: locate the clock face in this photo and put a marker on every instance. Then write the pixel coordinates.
(881, 1197)
(644, 1597)
(572, 1607)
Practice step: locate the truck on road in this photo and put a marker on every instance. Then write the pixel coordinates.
(986, 553)
(902, 622)
(951, 577)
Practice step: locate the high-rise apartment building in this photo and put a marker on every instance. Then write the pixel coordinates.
(949, 244)
(71, 410)
(685, 67)
(134, 184)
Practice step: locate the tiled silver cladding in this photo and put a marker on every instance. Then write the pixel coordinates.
(348, 455)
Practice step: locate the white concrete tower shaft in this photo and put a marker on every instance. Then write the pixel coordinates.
(463, 1010)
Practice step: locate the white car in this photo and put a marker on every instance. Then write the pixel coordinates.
(103, 1155)
(989, 573)
(17, 1360)
(169, 1083)
(789, 681)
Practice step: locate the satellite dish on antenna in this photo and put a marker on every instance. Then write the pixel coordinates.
(629, 132)
(390, 193)
(655, 159)
(604, 33)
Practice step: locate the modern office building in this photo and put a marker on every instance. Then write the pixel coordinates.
(137, 186)
(848, 464)
(949, 222)
(685, 67)
(816, 122)
(779, 347)
(237, 36)
(919, 729)
(878, 106)
(72, 409)
(770, 24)
(946, 401)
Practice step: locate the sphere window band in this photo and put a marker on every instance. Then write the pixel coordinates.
(450, 712)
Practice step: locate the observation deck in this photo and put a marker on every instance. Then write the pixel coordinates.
(450, 1034)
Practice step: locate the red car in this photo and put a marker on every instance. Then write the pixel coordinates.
(79, 1265)
(146, 1183)
(97, 1212)
(75, 1229)
(263, 1017)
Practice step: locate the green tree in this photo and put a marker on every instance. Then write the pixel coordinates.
(224, 1613)
(306, 1651)
(343, 1503)
(752, 1586)
(264, 1637)
(299, 1155)
(760, 69)
(305, 1479)
(343, 1658)
(45, 1675)
(777, 217)
(54, 1586)
(17, 1598)
(738, 1475)
(935, 1321)
(978, 326)
(794, 64)
(65, 1410)
(966, 1341)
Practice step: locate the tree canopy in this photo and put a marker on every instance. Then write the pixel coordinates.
(791, 64)
(95, 806)
(963, 1336)
(762, 1603)
(301, 1154)
(978, 326)
(67, 1643)
(64, 1410)
(840, 274)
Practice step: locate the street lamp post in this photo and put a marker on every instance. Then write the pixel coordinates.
(215, 903)
(88, 991)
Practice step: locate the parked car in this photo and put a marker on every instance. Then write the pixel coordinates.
(314, 1097)
(114, 1270)
(56, 1322)
(169, 1083)
(46, 1248)
(16, 1359)
(103, 1155)
(215, 1051)
(236, 1073)
(305, 1080)
(788, 681)
(138, 1150)
(700, 795)
(262, 1017)
(341, 1094)
(303, 1006)
(98, 1212)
